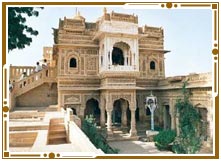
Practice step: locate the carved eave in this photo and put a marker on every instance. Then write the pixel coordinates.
(119, 88)
(149, 49)
(100, 34)
(117, 74)
(77, 45)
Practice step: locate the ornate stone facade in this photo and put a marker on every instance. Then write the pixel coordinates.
(108, 67)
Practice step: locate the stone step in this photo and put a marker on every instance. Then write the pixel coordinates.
(26, 114)
(30, 108)
(22, 139)
(53, 132)
(28, 128)
(56, 127)
(56, 136)
(39, 119)
(56, 121)
(58, 141)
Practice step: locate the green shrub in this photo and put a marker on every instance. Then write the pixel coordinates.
(188, 141)
(164, 139)
(89, 128)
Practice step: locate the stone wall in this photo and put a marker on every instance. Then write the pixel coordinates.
(41, 96)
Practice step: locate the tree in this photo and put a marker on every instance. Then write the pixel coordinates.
(19, 34)
(188, 141)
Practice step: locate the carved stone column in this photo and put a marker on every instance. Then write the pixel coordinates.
(133, 131)
(124, 115)
(102, 108)
(109, 123)
(81, 111)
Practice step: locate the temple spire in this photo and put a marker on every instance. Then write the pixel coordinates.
(104, 10)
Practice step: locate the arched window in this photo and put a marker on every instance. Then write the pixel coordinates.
(73, 63)
(117, 56)
(152, 65)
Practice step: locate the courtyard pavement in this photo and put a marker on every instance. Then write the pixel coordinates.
(137, 147)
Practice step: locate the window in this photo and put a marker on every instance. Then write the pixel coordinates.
(117, 56)
(73, 63)
(152, 65)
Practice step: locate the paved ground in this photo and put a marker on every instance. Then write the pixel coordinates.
(136, 147)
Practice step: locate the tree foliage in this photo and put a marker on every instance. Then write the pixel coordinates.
(188, 141)
(19, 33)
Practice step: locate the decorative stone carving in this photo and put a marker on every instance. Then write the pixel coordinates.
(91, 63)
(71, 99)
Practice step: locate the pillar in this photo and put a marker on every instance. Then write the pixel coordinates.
(133, 131)
(124, 118)
(109, 123)
(81, 111)
(124, 115)
(102, 117)
(102, 108)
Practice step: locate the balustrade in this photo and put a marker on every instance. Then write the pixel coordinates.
(16, 71)
(33, 80)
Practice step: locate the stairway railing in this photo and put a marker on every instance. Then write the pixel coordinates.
(34, 80)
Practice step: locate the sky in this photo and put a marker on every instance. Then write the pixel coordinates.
(187, 34)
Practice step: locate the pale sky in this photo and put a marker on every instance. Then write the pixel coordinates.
(187, 34)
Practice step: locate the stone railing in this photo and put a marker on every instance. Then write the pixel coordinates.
(118, 68)
(75, 135)
(34, 80)
(16, 71)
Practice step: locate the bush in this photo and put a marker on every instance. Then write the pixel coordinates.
(164, 139)
(89, 128)
(188, 141)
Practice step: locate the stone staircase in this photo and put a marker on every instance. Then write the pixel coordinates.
(34, 80)
(24, 126)
(57, 132)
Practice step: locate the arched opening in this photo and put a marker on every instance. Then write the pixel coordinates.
(167, 118)
(92, 108)
(73, 63)
(117, 112)
(152, 65)
(117, 56)
(203, 127)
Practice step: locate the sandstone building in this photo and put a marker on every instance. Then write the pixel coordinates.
(107, 68)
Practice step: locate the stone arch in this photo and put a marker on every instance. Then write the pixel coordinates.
(119, 113)
(67, 64)
(73, 63)
(92, 108)
(152, 65)
(121, 54)
(92, 97)
(152, 60)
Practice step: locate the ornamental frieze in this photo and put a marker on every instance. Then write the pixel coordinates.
(115, 97)
(71, 99)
